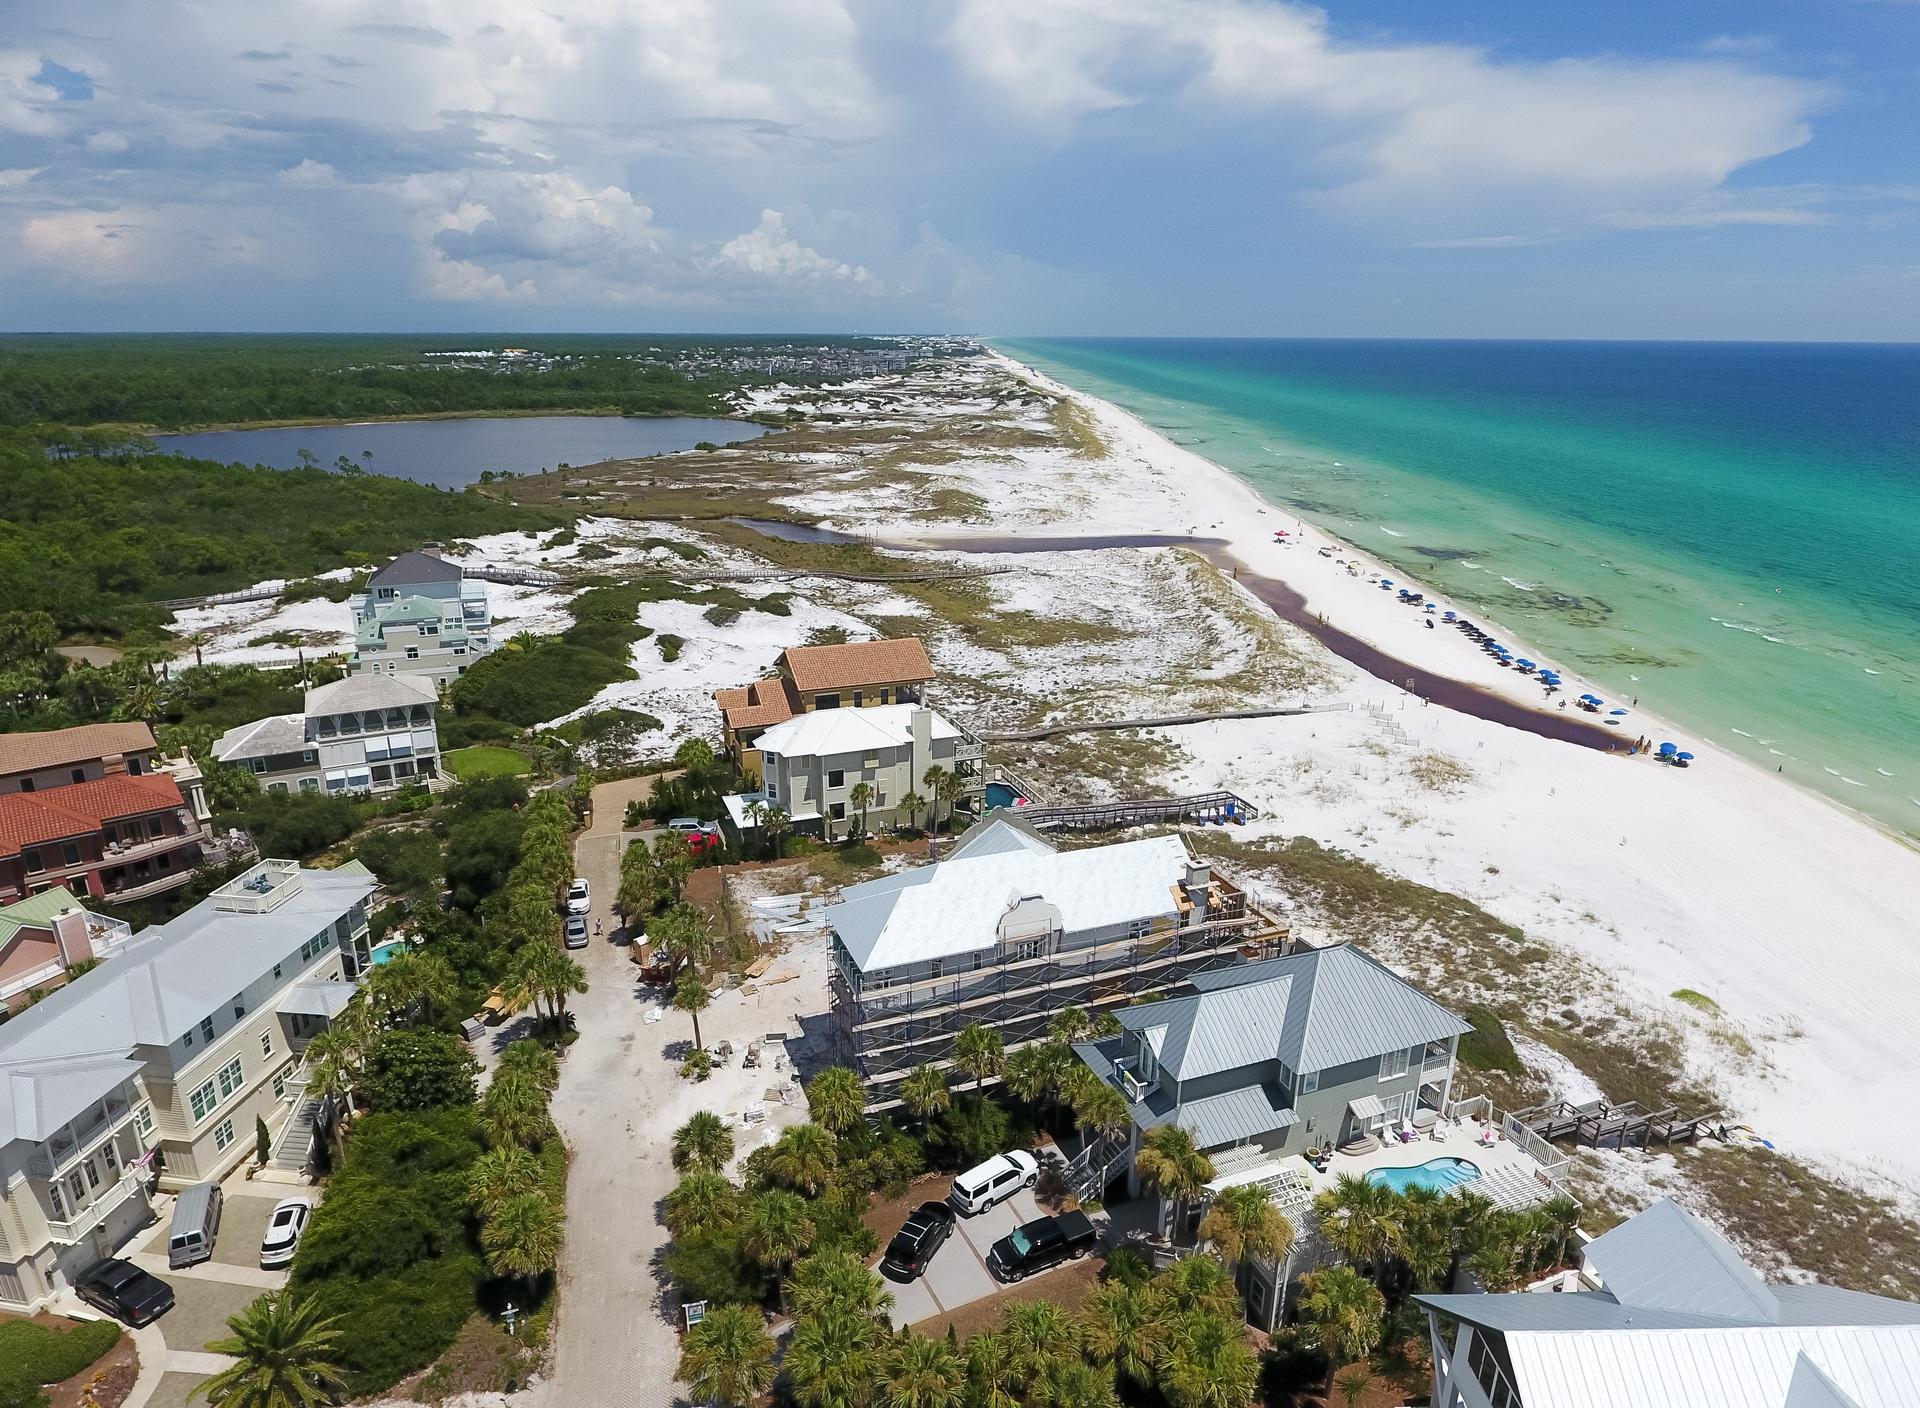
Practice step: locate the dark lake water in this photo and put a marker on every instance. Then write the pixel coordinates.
(452, 454)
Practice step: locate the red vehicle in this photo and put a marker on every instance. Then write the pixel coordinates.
(700, 842)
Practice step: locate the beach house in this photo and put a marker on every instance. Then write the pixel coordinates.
(1667, 1312)
(94, 809)
(811, 764)
(807, 678)
(420, 615)
(160, 1060)
(1007, 930)
(365, 733)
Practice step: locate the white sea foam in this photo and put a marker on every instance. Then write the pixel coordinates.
(1883, 772)
(1518, 586)
(1848, 779)
(1390, 533)
(1742, 732)
(1471, 566)
(1835, 772)
(1871, 672)
(1776, 752)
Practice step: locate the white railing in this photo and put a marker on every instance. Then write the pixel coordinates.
(45, 973)
(107, 936)
(76, 1229)
(1553, 1163)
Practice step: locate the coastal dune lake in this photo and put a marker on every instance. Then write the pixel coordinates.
(451, 454)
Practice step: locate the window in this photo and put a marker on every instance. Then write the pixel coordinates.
(223, 1134)
(838, 811)
(59, 1202)
(34, 863)
(203, 1101)
(309, 784)
(231, 1078)
(266, 1044)
(1309, 1082)
(280, 1083)
(459, 650)
(69, 853)
(837, 777)
(26, 784)
(187, 1040)
(1393, 1065)
(413, 652)
(143, 1121)
(93, 1173)
(80, 774)
(77, 1188)
(276, 971)
(857, 700)
(135, 766)
(239, 1009)
(938, 969)
(206, 1028)
(259, 765)
(826, 701)
(107, 1154)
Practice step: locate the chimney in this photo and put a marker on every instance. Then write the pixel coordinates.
(1199, 877)
(430, 549)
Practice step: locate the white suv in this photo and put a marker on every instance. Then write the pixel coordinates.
(579, 898)
(993, 1182)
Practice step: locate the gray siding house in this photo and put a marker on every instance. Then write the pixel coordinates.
(1669, 1313)
(1324, 1046)
(365, 733)
(421, 616)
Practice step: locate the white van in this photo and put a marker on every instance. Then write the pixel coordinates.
(196, 1222)
(994, 1181)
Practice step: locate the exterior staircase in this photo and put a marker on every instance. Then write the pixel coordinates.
(292, 1148)
(1093, 1169)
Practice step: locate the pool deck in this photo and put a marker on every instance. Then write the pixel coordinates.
(1509, 1175)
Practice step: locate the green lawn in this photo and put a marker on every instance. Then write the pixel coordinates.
(482, 761)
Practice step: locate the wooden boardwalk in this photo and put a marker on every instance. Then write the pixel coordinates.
(1214, 808)
(1035, 735)
(1599, 1125)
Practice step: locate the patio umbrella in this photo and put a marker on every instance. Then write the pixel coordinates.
(1683, 757)
(1617, 712)
(1666, 750)
(1451, 617)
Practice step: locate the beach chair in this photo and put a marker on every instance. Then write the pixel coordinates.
(1489, 1136)
(1407, 1132)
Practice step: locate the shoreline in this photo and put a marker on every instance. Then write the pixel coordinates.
(328, 422)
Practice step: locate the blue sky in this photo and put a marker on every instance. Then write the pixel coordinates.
(1235, 167)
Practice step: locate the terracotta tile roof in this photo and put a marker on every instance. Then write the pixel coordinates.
(30, 818)
(818, 667)
(758, 705)
(30, 752)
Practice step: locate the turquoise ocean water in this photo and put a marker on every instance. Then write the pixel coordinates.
(1729, 532)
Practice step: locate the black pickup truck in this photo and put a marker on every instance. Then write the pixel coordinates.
(1046, 1241)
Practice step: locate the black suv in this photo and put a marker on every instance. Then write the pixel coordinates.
(125, 1292)
(915, 1243)
(1046, 1241)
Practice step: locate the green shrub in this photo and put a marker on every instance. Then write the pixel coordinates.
(405, 858)
(709, 1265)
(721, 615)
(317, 589)
(392, 1326)
(418, 1070)
(528, 686)
(1487, 1047)
(17, 1391)
(670, 647)
(292, 825)
(39, 1355)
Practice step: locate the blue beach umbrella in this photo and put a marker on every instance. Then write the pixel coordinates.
(1617, 713)
(1451, 616)
(1666, 750)
(1683, 757)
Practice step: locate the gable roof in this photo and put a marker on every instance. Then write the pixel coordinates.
(263, 738)
(1311, 1010)
(826, 732)
(80, 808)
(955, 906)
(1683, 1320)
(856, 664)
(758, 705)
(415, 567)
(30, 752)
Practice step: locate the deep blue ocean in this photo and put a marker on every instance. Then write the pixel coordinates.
(1728, 531)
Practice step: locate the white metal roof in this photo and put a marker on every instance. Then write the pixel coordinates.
(1667, 1259)
(263, 738)
(360, 692)
(827, 732)
(955, 906)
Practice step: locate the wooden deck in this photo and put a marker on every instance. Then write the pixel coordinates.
(1210, 808)
(1599, 1125)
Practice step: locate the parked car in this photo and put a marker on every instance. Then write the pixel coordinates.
(284, 1227)
(924, 1233)
(576, 931)
(1046, 1241)
(124, 1291)
(195, 1225)
(700, 842)
(993, 1182)
(686, 824)
(579, 898)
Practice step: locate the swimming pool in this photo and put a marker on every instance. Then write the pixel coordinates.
(388, 951)
(1441, 1175)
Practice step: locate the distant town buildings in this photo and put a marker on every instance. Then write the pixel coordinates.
(421, 616)
(365, 733)
(92, 809)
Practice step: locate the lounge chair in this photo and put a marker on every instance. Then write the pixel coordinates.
(1489, 1136)
(1407, 1132)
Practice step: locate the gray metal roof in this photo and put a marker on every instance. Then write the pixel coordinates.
(263, 738)
(316, 999)
(1311, 1010)
(1809, 1388)
(415, 567)
(360, 692)
(159, 985)
(1524, 1312)
(1234, 1115)
(1667, 1259)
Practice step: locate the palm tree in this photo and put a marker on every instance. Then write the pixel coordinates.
(910, 803)
(979, 1052)
(690, 995)
(920, 1372)
(1173, 1169)
(778, 824)
(803, 1158)
(1362, 1220)
(931, 780)
(413, 988)
(1127, 1267)
(728, 1357)
(523, 1238)
(833, 1360)
(1120, 1325)
(990, 1378)
(1243, 1223)
(701, 1199)
(548, 975)
(861, 794)
(836, 1101)
(1353, 1383)
(1070, 1024)
(1099, 1107)
(284, 1357)
(755, 812)
(1207, 1363)
(1198, 1283)
(837, 1281)
(925, 1092)
(1039, 1337)
(199, 640)
(1077, 1384)
(514, 1111)
(501, 1175)
(950, 789)
(1345, 1310)
(1426, 1240)
(703, 1142)
(685, 934)
(533, 1060)
(1562, 1216)
(776, 1230)
(1033, 1072)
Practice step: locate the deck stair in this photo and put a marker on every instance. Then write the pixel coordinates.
(292, 1147)
(1092, 1171)
(1598, 1124)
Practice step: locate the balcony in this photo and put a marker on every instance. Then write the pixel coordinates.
(123, 852)
(107, 936)
(78, 1228)
(79, 1138)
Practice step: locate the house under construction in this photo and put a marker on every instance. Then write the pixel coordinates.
(1007, 930)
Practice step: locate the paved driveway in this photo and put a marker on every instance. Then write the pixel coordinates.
(958, 1274)
(200, 1311)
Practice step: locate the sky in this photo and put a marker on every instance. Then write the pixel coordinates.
(1416, 168)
